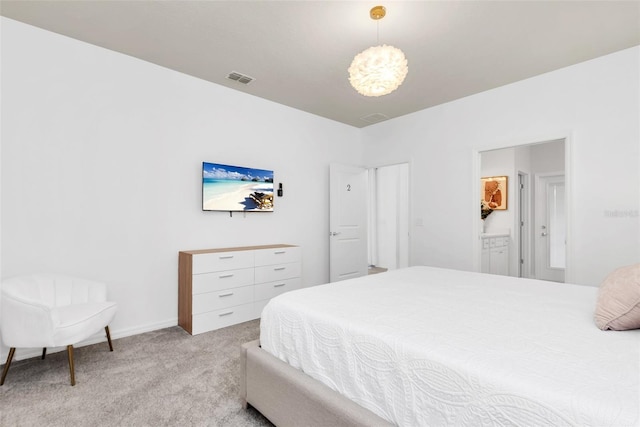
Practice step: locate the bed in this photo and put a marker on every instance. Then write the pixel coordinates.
(429, 346)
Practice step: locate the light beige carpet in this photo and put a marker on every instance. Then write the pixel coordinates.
(160, 378)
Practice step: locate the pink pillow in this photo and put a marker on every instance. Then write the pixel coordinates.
(618, 304)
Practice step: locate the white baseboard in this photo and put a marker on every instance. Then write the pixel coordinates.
(27, 353)
(122, 333)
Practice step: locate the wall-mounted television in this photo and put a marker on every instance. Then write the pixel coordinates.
(236, 188)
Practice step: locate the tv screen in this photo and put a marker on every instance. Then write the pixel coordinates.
(236, 188)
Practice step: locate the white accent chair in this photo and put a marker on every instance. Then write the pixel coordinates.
(51, 310)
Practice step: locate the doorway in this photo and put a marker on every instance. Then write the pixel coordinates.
(388, 217)
(535, 220)
(347, 222)
(368, 220)
(550, 236)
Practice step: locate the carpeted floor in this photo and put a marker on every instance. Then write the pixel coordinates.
(160, 378)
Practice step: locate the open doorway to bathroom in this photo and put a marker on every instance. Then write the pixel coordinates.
(528, 239)
(388, 217)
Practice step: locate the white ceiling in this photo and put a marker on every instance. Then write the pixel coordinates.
(299, 51)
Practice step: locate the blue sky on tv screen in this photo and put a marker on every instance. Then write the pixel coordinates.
(227, 172)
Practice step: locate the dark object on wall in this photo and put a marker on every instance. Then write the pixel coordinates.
(280, 190)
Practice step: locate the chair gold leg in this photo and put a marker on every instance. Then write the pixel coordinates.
(71, 369)
(106, 329)
(12, 351)
(44, 352)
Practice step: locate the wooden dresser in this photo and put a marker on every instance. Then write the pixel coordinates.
(224, 286)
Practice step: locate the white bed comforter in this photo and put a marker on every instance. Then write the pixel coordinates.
(432, 347)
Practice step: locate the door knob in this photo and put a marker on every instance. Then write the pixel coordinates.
(334, 233)
(543, 234)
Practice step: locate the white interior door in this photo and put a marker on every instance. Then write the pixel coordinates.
(550, 235)
(347, 222)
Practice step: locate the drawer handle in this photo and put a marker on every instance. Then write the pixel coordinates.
(226, 257)
(280, 252)
(225, 314)
(279, 268)
(279, 285)
(225, 295)
(225, 276)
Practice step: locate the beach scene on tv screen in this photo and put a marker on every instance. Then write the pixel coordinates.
(236, 188)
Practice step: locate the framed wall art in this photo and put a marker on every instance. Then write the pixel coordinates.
(494, 192)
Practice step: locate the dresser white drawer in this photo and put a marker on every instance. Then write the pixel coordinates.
(277, 256)
(209, 282)
(222, 318)
(266, 291)
(272, 273)
(217, 287)
(221, 261)
(221, 299)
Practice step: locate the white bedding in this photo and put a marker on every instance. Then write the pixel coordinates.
(428, 347)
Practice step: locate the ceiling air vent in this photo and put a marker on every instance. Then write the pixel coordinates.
(374, 118)
(240, 78)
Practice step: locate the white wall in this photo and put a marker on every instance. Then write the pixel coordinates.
(595, 103)
(101, 153)
(547, 158)
(503, 163)
(500, 163)
(523, 165)
(101, 170)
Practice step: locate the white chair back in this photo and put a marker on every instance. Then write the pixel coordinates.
(52, 310)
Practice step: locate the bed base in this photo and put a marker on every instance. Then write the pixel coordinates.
(288, 397)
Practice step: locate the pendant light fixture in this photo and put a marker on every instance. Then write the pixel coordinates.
(378, 70)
